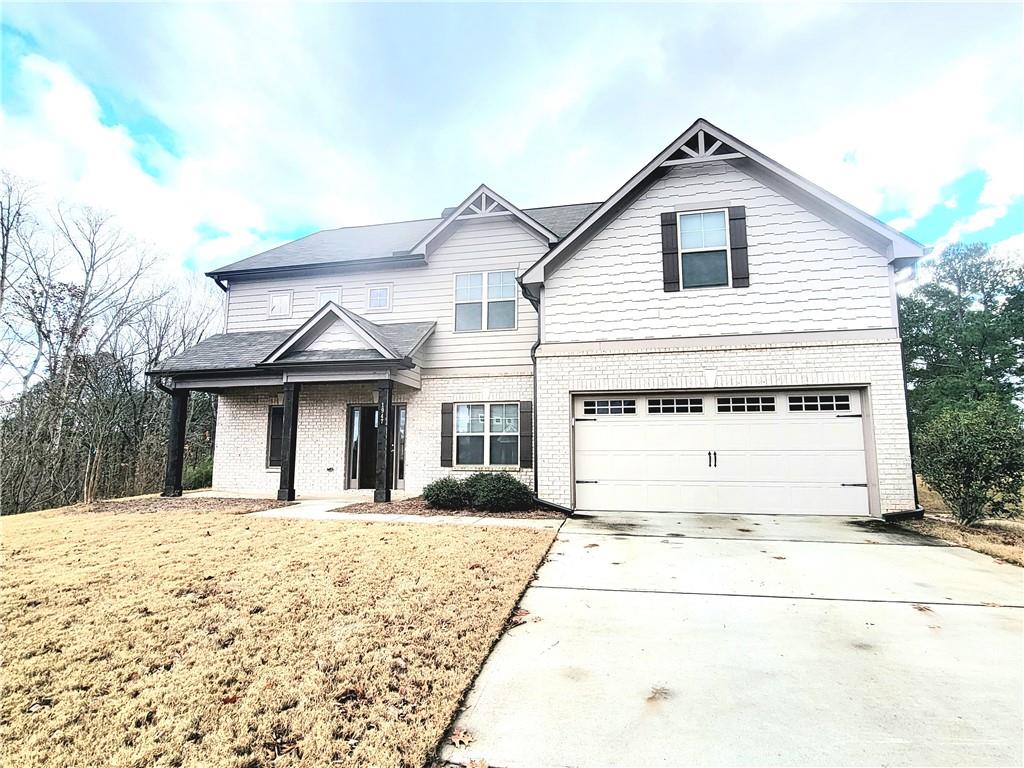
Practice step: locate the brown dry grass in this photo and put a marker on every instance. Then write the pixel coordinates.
(204, 638)
(1002, 539)
(417, 506)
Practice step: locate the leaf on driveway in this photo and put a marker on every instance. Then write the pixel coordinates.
(461, 738)
(922, 608)
(589, 546)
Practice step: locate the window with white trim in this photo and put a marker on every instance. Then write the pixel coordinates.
(704, 249)
(279, 304)
(819, 403)
(485, 301)
(378, 298)
(329, 294)
(608, 407)
(486, 434)
(675, 405)
(746, 404)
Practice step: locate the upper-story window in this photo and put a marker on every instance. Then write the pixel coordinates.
(704, 249)
(485, 301)
(280, 304)
(328, 294)
(378, 298)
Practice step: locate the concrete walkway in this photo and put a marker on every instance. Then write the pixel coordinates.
(668, 640)
(326, 509)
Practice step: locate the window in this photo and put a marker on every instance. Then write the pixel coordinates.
(703, 249)
(280, 304)
(487, 434)
(675, 405)
(485, 300)
(608, 407)
(378, 298)
(329, 294)
(275, 430)
(746, 404)
(819, 402)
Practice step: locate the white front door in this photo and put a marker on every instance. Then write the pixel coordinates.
(775, 452)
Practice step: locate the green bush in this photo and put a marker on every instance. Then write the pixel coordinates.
(446, 493)
(198, 475)
(972, 454)
(497, 492)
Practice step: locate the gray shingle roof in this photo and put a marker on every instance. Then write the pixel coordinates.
(377, 241)
(240, 351)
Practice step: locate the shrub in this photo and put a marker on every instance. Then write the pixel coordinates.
(199, 475)
(446, 493)
(498, 492)
(972, 454)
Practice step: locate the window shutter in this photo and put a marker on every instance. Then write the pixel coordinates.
(669, 252)
(738, 246)
(447, 433)
(525, 434)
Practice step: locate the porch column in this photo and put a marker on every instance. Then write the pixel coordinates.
(382, 489)
(289, 434)
(176, 442)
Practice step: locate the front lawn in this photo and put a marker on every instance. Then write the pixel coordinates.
(192, 637)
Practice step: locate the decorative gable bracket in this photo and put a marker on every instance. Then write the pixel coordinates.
(701, 147)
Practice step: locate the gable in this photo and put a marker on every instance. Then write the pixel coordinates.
(335, 335)
(703, 145)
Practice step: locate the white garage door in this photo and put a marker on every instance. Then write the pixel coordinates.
(793, 452)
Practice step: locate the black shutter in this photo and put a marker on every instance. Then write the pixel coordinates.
(738, 246)
(669, 252)
(525, 434)
(447, 434)
(275, 431)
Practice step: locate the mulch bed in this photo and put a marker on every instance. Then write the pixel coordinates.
(417, 506)
(148, 505)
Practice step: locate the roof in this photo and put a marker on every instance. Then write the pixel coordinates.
(703, 142)
(381, 241)
(249, 350)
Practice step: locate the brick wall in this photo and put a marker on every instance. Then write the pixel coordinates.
(875, 364)
(240, 454)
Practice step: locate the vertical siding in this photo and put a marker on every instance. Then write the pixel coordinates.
(424, 293)
(805, 275)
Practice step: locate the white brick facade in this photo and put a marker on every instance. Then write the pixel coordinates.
(240, 455)
(877, 366)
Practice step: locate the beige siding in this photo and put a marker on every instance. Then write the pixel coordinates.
(424, 293)
(805, 275)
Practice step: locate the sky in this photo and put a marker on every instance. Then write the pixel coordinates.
(215, 131)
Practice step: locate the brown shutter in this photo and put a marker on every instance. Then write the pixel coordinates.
(669, 252)
(525, 433)
(738, 246)
(447, 433)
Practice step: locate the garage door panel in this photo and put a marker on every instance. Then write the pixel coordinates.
(804, 461)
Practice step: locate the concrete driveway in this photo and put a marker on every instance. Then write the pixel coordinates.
(676, 639)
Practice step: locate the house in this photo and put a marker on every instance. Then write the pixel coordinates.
(719, 335)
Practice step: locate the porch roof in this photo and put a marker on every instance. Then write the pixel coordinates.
(248, 351)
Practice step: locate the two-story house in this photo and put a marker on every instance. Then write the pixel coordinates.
(719, 335)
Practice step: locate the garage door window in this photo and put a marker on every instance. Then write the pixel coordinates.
(487, 434)
(608, 407)
(746, 404)
(675, 405)
(819, 402)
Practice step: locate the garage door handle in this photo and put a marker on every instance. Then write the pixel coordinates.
(716, 458)
(709, 458)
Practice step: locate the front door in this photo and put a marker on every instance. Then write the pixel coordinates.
(362, 446)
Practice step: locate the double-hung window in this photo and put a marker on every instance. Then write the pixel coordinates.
(485, 301)
(704, 249)
(487, 434)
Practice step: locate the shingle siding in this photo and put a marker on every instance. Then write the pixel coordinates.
(875, 364)
(805, 275)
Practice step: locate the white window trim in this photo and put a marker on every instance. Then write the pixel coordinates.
(270, 303)
(486, 435)
(389, 287)
(726, 248)
(485, 279)
(328, 289)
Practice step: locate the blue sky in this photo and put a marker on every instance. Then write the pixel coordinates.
(215, 131)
